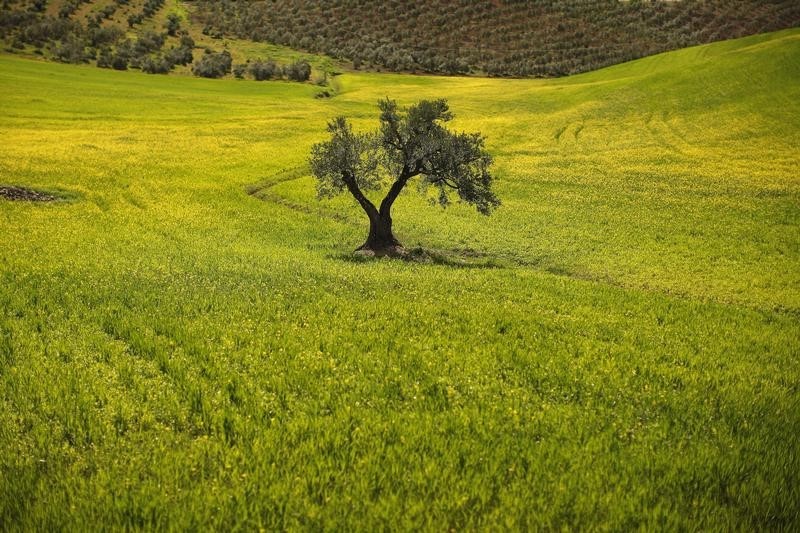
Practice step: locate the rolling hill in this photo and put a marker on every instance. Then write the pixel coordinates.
(187, 341)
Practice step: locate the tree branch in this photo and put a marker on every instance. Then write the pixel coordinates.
(350, 181)
(406, 174)
(445, 181)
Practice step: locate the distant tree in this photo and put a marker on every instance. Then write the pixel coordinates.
(239, 70)
(156, 65)
(108, 11)
(213, 64)
(183, 55)
(299, 70)
(178, 56)
(68, 8)
(72, 49)
(408, 144)
(133, 20)
(104, 58)
(148, 42)
(173, 23)
(119, 62)
(264, 70)
(151, 6)
(104, 35)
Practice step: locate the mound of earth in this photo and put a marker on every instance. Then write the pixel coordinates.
(10, 192)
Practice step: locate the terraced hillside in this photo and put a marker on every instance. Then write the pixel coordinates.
(496, 37)
(188, 343)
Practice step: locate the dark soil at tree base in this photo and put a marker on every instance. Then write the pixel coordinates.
(10, 192)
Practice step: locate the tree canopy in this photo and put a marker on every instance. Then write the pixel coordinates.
(409, 143)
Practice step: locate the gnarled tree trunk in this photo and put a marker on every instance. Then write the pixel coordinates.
(380, 240)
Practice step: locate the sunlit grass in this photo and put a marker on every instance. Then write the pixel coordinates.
(616, 347)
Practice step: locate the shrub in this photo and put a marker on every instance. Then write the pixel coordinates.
(151, 7)
(299, 70)
(105, 58)
(148, 42)
(156, 65)
(71, 50)
(101, 36)
(120, 62)
(239, 70)
(173, 23)
(180, 56)
(213, 64)
(108, 11)
(48, 29)
(133, 20)
(264, 70)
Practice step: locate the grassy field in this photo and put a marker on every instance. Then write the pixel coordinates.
(617, 347)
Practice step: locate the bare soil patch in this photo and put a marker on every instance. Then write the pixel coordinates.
(11, 192)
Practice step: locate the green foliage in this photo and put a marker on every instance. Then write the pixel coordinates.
(262, 70)
(71, 49)
(179, 56)
(105, 58)
(68, 7)
(147, 43)
(134, 19)
(105, 36)
(298, 71)
(616, 350)
(417, 143)
(407, 145)
(239, 70)
(173, 23)
(156, 65)
(345, 154)
(119, 62)
(213, 64)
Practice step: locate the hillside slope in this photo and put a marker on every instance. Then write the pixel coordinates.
(499, 38)
(495, 38)
(154, 36)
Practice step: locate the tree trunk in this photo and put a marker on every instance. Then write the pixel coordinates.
(381, 240)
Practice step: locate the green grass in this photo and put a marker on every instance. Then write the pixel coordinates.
(617, 347)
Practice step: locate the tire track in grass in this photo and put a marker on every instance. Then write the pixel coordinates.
(263, 191)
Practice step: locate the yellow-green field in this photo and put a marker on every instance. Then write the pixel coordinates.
(617, 347)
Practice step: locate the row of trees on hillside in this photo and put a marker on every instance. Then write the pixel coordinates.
(542, 38)
(260, 70)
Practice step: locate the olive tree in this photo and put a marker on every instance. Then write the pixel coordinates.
(410, 143)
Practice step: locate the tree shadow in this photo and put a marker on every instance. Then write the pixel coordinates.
(430, 256)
